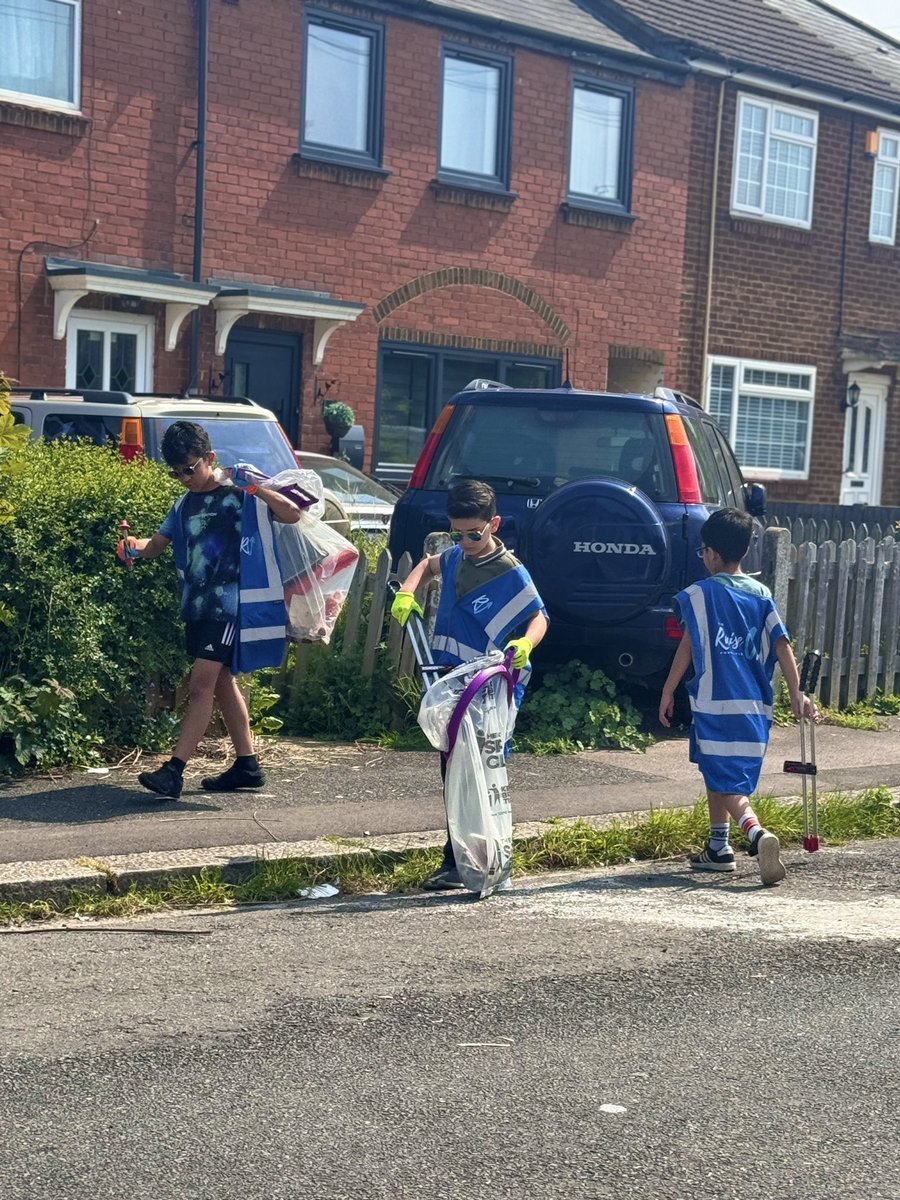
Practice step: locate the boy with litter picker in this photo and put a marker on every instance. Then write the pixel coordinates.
(232, 600)
(733, 636)
(488, 602)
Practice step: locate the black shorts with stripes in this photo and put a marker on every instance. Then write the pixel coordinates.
(213, 640)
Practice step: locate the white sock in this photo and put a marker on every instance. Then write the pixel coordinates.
(718, 837)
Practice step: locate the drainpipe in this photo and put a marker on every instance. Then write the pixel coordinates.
(711, 252)
(199, 180)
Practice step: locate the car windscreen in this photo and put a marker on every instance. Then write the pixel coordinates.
(260, 443)
(530, 450)
(351, 485)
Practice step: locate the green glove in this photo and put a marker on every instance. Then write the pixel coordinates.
(404, 606)
(523, 647)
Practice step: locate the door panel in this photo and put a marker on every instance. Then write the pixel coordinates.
(864, 444)
(265, 367)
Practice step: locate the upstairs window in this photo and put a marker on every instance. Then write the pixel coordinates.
(774, 162)
(40, 51)
(885, 186)
(765, 410)
(475, 118)
(600, 147)
(343, 90)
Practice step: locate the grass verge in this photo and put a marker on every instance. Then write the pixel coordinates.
(661, 834)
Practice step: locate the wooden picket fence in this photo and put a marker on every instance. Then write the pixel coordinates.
(844, 601)
(835, 529)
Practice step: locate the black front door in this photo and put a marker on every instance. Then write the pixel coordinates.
(265, 366)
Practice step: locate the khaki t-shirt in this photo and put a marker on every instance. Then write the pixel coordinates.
(473, 573)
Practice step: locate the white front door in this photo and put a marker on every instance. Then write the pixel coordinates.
(864, 442)
(110, 353)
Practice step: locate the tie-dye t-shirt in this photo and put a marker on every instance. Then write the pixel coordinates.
(212, 528)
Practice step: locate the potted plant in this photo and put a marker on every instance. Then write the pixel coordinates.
(338, 420)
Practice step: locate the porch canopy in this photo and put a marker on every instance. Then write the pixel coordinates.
(72, 280)
(234, 300)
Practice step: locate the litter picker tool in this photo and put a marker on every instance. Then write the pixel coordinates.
(418, 639)
(809, 676)
(128, 553)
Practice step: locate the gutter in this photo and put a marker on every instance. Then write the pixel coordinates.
(797, 91)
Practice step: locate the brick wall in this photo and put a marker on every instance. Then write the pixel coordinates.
(777, 291)
(129, 166)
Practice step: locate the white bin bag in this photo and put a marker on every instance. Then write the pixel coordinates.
(476, 788)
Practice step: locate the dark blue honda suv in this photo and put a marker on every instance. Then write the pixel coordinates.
(601, 495)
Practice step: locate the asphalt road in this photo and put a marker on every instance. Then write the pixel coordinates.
(630, 1033)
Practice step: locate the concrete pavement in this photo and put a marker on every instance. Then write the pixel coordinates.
(79, 830)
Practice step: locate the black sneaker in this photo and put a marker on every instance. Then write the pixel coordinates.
(767, 849)
(713, 860)
(235, 779)
(165, 782)
(447, 879)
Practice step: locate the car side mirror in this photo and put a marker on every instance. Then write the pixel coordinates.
(756, 499)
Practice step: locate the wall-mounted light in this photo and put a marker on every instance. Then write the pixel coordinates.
(852, 398)
(872, 142)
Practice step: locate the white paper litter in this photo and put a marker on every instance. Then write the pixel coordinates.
(320, 892)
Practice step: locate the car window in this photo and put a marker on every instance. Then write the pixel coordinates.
(347, 482)
(260, 443)
(97, 429)
(710, 488)
(728, 468)
(527, 449)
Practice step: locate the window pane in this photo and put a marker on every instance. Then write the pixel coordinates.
(789, 180)
(884, 195)
(772, 432)
(751, 150)
(123, 362)
(458, 372)
(338, 69)
(710, 489)
(890, 147)
(793, 122)
(89, 359)
(37, 48)
(596, 144)
(721, 395)
(402, 408)
(524, 375)
(469, 123)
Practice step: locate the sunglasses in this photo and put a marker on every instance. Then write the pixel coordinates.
(472, 535)
(185, 472)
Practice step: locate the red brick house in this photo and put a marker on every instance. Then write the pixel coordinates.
(367, 202)
(791, 318)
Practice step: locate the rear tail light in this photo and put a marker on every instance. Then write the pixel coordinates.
(683, 458)
(131, 439)
(428, 450)
(672, 629)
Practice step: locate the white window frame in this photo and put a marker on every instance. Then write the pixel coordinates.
(768, 391)
(51, 102)
(772, 107)
(889, 164)
(144, 327)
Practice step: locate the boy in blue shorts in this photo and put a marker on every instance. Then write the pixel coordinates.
(488, 602)
(232, 600)
(733, 637)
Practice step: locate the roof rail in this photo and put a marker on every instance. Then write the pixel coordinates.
(90, 395)
(484, 385)
(664, 393)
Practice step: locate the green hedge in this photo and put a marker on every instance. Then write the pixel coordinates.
(81, 636)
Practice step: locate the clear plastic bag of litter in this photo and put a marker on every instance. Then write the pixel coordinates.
(476, 787)
(317, 563)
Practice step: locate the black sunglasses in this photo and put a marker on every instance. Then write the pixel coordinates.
(185, 472)
(472, 535)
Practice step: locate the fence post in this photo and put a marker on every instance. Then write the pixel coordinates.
(376, 613)
(776, 565)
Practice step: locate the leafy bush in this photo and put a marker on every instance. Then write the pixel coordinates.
(69, 611)
(335, 700)
(578, 708)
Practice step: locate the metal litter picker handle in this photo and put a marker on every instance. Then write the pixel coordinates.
(418, 639)
(809, 676)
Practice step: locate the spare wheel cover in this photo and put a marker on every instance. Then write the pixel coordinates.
(598, 551)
